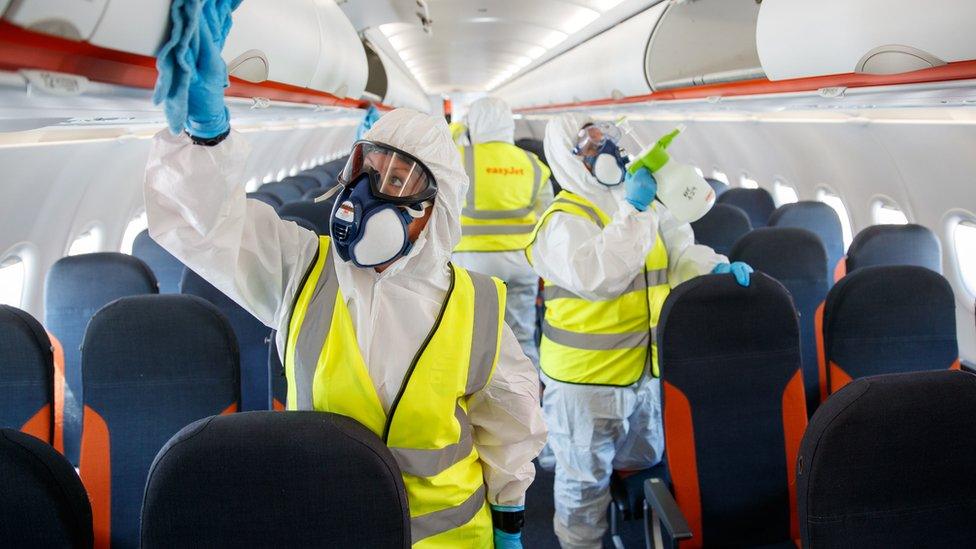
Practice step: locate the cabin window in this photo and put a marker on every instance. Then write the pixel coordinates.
(86, 243)
(138, 224)
(887, 213)
(837, 203)
(252, 185)
(12, 275)
(784, 194)
(282, 173)
(720, 176)
(699, 171)
(964, 242)
(747, 182)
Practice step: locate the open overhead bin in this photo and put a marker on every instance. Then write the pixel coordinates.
(800, 38)
(388, 80)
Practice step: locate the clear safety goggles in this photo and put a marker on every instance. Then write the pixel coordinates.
(394, 175)
(593, 136)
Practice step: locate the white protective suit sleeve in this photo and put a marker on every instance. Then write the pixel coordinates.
(197, 210)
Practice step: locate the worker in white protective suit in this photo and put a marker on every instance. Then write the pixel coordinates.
(509, 189)
(608, 256)
(374, 322)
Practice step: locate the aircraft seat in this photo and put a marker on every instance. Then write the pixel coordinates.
(734, 412)
(757, 203)
(76, 287)
(798, 260)
(152, 365)
(887, 462)
(818, 218)
(252, 339)
(334, 167)
(717, 186)
(311, 479)
(303, 181)
(721, 227)
(43, 502)
(285, 191)
(317, 214)
(279, 384)
(885, 320)
(26, 375)
(895, 245)
(167, 268)
(322, 178)
(267, 198)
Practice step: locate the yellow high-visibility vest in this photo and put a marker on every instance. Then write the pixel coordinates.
(499, 208)
(427, 427)
(601, 342)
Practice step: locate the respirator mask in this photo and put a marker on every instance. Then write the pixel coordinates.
(382, 190)
(597, 144)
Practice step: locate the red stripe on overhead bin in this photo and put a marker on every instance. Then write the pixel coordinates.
(960, 70)
(24, 49)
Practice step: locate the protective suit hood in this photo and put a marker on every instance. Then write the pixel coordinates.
(561, 135)
(427, 138)
(490, 119)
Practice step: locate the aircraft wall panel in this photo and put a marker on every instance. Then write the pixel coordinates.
(799, 38)
(72, 19)
(134, 27)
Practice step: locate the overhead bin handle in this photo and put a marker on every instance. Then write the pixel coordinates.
(252, 66)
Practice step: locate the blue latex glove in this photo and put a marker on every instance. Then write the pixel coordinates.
(739, 270)
(503, 539)
(192, 76)
(641, 188)
(372, 115)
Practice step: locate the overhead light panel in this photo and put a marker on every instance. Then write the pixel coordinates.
(553, 39)
(580, 19)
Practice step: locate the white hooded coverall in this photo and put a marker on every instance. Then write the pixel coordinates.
(489, 120)
(197, 210)
(595, 429)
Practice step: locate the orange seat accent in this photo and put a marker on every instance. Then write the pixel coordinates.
(821, 350)
(58, 392)
(838, 377)
(840, 270)
(957, 365)
(95, 467)
(277, 406)
(229, 410)
(679, 439)
(794, 423)
(39, 425)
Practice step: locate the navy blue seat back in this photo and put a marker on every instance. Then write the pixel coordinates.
(42, 503)
(818, 218)
(887, 462)
(267, 198)
(721, 227)
(717, 186)
(252, 339)
(734, 408)
(283, 190)
(323, 179)
(797, 259)
(886, 320)
(757, 203)
(303, 182)
(26, 375)
(317, 214)
(266, 479)
(152, 365)
(76, 287)
(895, 245)
(334, 167)
(167, 268)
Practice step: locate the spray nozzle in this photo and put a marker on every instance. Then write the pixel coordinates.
(654, 158)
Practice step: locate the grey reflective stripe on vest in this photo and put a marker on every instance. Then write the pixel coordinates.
(597, 342)
(313, 331)
(430, 462)
(470, 210)
(589, 211)
(476, 230)
(431, 524)
(640, 282)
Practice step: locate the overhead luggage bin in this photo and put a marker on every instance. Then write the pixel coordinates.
(274, 40)
(341, 68)
(71, 20)
(134, 28)
(388, 80)
(798, 38)
(704, 42)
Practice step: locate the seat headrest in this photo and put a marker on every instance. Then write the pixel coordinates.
(78, 280)
(895, 245)
(721, 227)
(163, 264)
(317, 214)
(783, 253)
(757, 203)
(311, 478)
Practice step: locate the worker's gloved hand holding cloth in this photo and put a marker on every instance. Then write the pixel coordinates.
(192, 75)
(739, 270)
(508, 521)
(372, 115)
(641, 188)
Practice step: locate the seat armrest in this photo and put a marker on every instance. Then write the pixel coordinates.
(666, 511)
